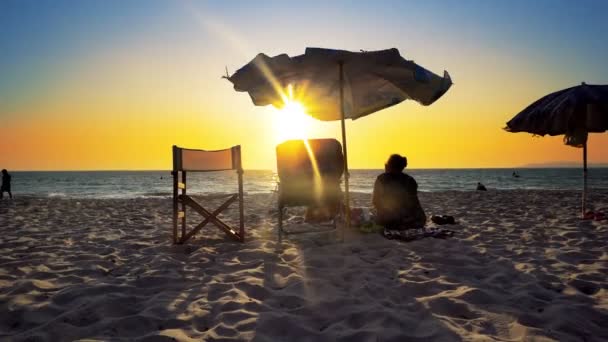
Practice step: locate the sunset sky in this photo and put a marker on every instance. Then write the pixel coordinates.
(114, 84)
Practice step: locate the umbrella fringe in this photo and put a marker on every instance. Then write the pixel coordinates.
(576, 139)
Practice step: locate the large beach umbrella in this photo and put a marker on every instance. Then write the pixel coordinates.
(338, 84)
(574, 112)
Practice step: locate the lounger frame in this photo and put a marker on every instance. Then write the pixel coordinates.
(288, 196)
(282, 208)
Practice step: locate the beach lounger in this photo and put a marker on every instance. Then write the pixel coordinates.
(309, 174)
(189, 160)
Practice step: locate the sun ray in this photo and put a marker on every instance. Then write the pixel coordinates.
(317, 184)
(294, 123)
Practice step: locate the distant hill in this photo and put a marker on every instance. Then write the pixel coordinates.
(564, 164)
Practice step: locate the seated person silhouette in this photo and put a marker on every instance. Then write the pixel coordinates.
(481, 187)
(395, 197)
(6, 184)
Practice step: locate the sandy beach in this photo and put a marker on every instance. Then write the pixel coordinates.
(522, 266)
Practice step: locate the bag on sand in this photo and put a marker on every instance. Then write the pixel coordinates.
(443, 219)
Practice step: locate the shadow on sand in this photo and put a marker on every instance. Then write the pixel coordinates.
(116, 276)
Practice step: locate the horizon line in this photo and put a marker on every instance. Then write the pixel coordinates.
(599, 165)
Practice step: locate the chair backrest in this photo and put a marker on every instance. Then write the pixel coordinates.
(296, 164)
(296, 158)
(200, 160)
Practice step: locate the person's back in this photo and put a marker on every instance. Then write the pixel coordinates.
(396, 197)
(6, 184)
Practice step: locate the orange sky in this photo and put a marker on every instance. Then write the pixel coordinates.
(122, 102)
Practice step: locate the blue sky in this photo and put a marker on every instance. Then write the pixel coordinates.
(35, 35)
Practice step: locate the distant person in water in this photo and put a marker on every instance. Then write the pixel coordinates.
(515, 174)
(6, 184)
(481, 187)
(395, 197)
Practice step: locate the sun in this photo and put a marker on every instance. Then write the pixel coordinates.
(291, 121)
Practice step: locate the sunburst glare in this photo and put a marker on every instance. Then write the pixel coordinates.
(291, 121)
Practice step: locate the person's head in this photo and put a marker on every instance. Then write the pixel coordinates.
(395, 163)
(4, 172)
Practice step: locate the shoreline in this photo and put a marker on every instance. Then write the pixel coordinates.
(354, 193)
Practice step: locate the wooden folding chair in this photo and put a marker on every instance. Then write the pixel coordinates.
(309, 175)
(189, 160)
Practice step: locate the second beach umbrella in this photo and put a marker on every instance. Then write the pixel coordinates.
(574, 112)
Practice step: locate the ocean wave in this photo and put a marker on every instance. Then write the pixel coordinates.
(56, 194)
(128, 185)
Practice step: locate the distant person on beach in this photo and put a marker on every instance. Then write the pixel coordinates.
(6, 184)
(481, 187)
(395, 197)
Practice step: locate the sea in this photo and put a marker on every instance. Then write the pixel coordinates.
(138, 184)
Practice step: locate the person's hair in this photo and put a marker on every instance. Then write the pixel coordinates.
(396, 162)
(4, 171)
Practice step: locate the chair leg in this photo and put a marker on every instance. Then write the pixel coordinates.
(342, 233)
(280, 224)
(342, 218)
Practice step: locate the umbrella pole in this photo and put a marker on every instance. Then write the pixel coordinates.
(584, 178)
(346, 174)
